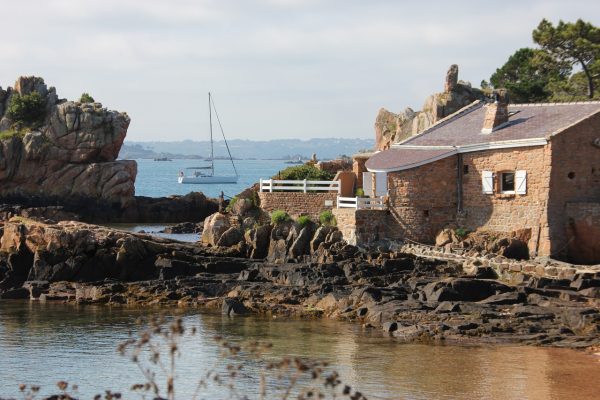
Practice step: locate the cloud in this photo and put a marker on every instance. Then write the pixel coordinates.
(279, 68)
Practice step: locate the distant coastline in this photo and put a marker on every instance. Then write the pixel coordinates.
(280, 149)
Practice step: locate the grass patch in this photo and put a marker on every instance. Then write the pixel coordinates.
(303, 220)
(327, 218)
(279, 217)
(12, 132)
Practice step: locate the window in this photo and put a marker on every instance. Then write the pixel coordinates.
(507, 182)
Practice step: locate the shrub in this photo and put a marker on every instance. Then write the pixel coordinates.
(232, 202)
(301, 172)
(279, 217)
(86, 98)
(28, 110)
(327, 218)
(303, 220)
(360, 192)
(461, 232)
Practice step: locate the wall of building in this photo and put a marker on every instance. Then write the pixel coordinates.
(422, 201)
(575, 178)
(358, 167)
(298, 203)
(509, 212)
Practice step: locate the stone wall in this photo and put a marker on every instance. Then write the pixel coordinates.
(422, 201)
(297, 203)
(508, 212)
(362, 227)
(575, 178)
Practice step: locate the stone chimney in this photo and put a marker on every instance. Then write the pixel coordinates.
(496, 113)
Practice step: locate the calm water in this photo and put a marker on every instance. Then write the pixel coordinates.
(159, 178)
(42, 343)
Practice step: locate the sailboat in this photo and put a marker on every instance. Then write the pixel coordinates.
(206, 173)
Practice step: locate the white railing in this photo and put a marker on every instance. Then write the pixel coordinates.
(274, 185)
(362, 203)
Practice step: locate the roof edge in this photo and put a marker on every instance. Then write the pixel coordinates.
(414, 165)
(509, 144)
(564, 128)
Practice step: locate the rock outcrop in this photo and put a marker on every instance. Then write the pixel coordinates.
(70, 153)
(391, 127)
(409, 297)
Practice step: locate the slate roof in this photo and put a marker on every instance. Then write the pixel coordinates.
(463, 129)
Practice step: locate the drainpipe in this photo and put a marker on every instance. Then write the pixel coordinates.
(459, 183)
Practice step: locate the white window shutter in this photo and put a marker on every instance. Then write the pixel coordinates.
(367, 184)
(521, 182)
(487, 181)
(381, 186)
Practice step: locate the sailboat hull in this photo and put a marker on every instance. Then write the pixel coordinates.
(208, 179)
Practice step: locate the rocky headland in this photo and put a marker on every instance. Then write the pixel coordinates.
(64, 153)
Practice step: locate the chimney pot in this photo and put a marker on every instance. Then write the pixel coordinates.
(496, 113)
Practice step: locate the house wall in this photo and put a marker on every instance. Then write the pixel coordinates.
(358, 167)
(509, 212)
(575, 178)
(422, 200)
(297, 203)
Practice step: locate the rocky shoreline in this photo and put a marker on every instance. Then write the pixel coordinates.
(411, 297)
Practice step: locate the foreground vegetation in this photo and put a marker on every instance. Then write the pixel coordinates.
(156, 350)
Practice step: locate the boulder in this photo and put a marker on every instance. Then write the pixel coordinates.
(446, 236)
(320, 235)
(230, 237)
(301, 246)
(214, 226)
(232, 307)
(258, 240)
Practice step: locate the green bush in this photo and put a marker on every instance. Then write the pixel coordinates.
(360, 192)
(327, 218)
(303, 220)
(301, 172)
(86, 98)
(28, 110)
(232, 202)
(461, 232)
(279, 217)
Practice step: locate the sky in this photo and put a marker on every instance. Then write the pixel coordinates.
(277, 68)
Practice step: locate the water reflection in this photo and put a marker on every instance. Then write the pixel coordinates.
(42, 343)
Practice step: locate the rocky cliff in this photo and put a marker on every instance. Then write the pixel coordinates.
(391, 128)
(68, 152)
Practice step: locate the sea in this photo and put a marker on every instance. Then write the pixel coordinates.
(159, 178)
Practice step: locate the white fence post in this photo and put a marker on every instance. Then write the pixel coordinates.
(305, 186)
(271, 185)
(260, 186)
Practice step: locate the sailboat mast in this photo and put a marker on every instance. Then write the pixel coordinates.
(212, 158)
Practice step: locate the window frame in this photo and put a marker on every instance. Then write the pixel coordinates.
(501, 182)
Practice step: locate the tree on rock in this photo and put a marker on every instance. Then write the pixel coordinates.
(28, 110)
(86, 98)
(576, 43)
(528, 74)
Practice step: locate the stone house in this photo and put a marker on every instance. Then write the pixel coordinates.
(533, 169)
